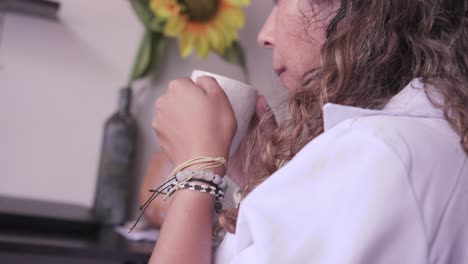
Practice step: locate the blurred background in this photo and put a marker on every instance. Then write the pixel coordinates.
(60, 75)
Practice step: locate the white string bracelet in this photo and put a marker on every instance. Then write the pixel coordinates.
(211, 163)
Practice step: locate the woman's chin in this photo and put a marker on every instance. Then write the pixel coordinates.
(283, 81)
(287, 82)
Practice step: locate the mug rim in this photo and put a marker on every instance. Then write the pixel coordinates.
(198, 73)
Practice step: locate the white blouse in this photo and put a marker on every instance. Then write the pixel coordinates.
(387, 186)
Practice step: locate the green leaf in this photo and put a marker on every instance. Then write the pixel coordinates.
(234, 54)
(148, 55)
(143, 12)
(142, 58)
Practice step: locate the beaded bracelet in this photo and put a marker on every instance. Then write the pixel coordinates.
(191, 183)
(207, 175)
(171, 185)
(202, 188)
(199, 180)
(216, 192)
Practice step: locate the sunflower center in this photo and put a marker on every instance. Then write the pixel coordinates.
(200, 10)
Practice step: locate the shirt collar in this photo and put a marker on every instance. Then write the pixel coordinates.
(411, 101)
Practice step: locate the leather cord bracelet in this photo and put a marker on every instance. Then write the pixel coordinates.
(170, 186)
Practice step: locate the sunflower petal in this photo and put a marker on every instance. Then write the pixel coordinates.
(238, 2)
(202, 47)
(174, 26)
(163, 8)
(233, 17)
(216, 39)
(228, 35)
(186, 44)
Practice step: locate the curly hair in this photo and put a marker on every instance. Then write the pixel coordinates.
(373, 49)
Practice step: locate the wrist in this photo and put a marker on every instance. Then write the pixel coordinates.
(203, 181)
(190, 198)
(221, 171)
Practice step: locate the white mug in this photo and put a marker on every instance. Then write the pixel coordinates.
(243, 99)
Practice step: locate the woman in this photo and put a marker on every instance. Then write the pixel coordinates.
(371, 166)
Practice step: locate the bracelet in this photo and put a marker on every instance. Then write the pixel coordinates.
(182, 176)
(204, 181)
(217, 193)
(212, 163)
(174, 183)
(202, 188)
(186, 176)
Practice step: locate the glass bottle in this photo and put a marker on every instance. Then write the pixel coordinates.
(116, 164)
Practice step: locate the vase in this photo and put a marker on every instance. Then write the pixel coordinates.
(116, 166)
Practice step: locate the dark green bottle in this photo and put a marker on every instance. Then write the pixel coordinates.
(116, 165)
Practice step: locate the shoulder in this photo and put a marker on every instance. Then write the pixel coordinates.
(359, 139)
(352, 157)
(437, 172)
(409, 138)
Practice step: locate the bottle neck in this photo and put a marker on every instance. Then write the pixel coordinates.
(125, 100)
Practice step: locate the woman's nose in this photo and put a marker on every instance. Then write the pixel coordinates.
(266, 36)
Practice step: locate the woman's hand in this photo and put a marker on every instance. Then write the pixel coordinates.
(175, 232)
(193, 120)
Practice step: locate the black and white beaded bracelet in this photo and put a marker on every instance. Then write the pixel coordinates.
(216, 192)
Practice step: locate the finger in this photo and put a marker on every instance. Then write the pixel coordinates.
(181, 83)
(209, 84)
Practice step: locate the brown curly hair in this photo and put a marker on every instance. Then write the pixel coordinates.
(372, 51)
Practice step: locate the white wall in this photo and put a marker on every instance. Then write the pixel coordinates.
(59, 82)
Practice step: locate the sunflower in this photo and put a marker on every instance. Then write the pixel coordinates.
(201, 25)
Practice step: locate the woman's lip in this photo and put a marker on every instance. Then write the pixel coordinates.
(282, 77)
